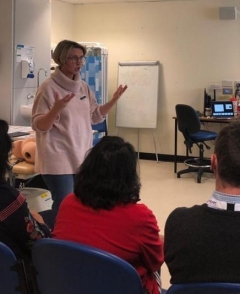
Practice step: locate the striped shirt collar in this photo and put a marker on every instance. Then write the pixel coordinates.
(224, 201)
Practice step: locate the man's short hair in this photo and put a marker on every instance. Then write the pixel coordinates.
(227, 150)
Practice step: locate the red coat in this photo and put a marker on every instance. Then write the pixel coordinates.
(128, 231)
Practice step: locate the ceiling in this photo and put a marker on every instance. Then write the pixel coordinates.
(112, 1)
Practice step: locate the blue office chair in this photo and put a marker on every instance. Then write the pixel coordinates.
(204, 288)
(67, 267)
(189, 124)
(12, 274)
(101, 129)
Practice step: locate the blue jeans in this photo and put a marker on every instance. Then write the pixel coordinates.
(59, 186)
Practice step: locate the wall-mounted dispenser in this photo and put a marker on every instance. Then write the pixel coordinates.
(27, 69)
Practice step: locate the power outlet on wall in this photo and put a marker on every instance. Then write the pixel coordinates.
(215, 86)
(227, 84)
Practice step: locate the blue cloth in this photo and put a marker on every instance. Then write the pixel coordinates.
(59, 186)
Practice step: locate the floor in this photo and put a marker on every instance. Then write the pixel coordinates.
(162, 192)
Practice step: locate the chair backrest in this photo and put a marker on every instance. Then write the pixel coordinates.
(204, 288)
(187, 118)
(10, 280)
(67, 267)
(101, 129)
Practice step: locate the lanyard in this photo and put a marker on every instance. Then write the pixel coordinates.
(217, 204)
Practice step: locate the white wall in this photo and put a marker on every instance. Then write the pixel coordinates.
(6, 59)
(62, 21)
(193, 45)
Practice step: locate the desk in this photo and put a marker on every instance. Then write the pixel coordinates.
(202, 119)
(13, 129)
(20, 170)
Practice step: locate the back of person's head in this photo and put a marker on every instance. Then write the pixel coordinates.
(5, 148)
(227, 150)
(60, 54)
(108, 176)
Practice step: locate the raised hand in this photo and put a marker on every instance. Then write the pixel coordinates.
(120, 90)
(61, 103)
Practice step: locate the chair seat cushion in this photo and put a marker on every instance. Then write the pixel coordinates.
(203, 135)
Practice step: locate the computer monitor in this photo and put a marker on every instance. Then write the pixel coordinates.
(222, 109)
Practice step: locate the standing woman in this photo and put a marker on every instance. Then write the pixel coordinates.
(64, 110)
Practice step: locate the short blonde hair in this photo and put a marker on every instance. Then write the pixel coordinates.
(60, 53)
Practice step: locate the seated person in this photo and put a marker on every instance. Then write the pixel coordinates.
(103, 211)
(19, 227)
(202, 242)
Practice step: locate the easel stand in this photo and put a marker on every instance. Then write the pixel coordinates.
(154, 143)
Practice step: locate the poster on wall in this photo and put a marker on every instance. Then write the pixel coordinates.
(24, 52)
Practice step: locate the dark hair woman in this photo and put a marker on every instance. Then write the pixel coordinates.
(104, 211)
(18, 226)
(5, 147)
(108, 176)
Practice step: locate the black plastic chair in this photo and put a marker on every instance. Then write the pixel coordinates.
(204, 288)
(13, 278)
(189, 124)
(68, 267)
(101, 130)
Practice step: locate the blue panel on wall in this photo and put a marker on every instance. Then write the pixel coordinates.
(94, 73)
(91, 73)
